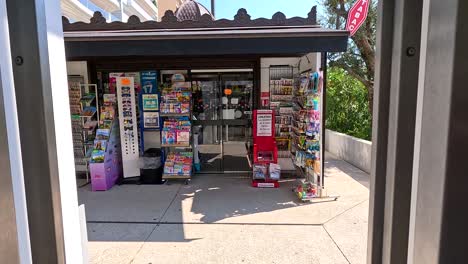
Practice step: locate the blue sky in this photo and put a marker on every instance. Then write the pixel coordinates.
(261, 8)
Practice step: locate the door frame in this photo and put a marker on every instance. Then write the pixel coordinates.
(221, 123)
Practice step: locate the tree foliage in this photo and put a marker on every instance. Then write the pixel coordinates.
(346, 109)
(359, 60)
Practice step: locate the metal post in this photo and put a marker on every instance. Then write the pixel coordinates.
(38, 51)
(9, 252)
(213, 8)
(380, 130)
(14, 235)
(438, 225)
(323, 63)
(397, 64)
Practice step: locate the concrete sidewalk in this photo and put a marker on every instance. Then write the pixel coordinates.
(221, 219)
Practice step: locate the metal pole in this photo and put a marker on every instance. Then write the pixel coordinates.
(324, 116)
(14, 232)
(396, 83)
(380, 130)
(9, 251)
(37, 47)
(213, 8)
(438, 220)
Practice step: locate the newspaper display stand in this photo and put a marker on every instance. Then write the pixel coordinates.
(265, 150)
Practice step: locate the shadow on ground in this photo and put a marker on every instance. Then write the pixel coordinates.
(217, 210)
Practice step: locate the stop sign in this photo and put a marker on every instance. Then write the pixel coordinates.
(357, 15)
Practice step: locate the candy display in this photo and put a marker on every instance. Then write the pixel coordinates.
(175, 108)
(306, 191)
(306, 135)
(176, 100)
(178, 163)
(176, 132)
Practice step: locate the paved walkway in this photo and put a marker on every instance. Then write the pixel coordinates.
(220, 219)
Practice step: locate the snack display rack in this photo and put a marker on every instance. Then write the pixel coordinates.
(176, 134)
(84, 116)
(306, 135)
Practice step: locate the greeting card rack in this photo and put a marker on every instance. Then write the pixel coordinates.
(84, 116)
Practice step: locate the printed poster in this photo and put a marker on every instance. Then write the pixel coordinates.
(264, 125)
(150, 102)
(151, 119)
(149, 82)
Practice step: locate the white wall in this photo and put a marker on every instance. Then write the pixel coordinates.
(353, 150)
(78, 68)
(265, 64)
(310, 61)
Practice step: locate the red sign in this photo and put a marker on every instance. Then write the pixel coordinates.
(356, 16)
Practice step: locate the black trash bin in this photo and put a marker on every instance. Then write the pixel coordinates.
(151, 169)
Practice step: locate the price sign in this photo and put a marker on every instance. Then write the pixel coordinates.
(264, 125)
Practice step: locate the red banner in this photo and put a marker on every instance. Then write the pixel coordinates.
(357, 15)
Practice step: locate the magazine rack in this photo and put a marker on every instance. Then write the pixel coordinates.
(265, 150)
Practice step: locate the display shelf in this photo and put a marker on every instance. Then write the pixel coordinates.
(282, 103)
(182, 145)
(88, 98)
(306, 136)
(83, 109)
(90, 125)
(87, 113)
(175, 114)
(178, 164)
(167, 176)
(296, 131)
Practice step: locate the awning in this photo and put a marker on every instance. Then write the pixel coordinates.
(266, 37)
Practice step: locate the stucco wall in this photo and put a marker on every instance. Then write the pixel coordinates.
(78, 68)
(353, 150)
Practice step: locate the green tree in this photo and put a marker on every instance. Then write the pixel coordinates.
(347, 105)
(359, 60)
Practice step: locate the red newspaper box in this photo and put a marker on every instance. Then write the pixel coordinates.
(265, 150)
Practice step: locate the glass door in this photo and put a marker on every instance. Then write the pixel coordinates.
(207, 128)
(222, 113)
(237, 91)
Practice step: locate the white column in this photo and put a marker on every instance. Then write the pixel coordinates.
(63, 133)
(14, 149)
